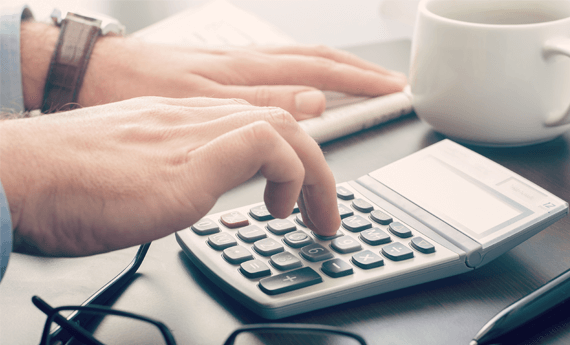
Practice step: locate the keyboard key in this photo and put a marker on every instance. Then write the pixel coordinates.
(367, 259)
(356, 223)
(397, 252)
(205, 226)
(336, 268)
(289, 281)
(422, 245)
(268, 247)
(344, 194)
(281, 226)
(234, 220)
(375, 237)
(328, 238)
(380, 217)
(345, 244)
(298, 239)
(254, 269)
(285, 261)
(299, 220)
(221, 241)
(260, 213)
(362, 205)
(316, 252)
(236, 255)
(344, 211)
(251, 233)
(400, 230)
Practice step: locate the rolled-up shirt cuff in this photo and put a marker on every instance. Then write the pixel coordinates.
(11, 91)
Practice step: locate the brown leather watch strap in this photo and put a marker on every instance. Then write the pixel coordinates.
(69, 62)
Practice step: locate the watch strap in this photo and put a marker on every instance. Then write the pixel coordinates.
(69, 61)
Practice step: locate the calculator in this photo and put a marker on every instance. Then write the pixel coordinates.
(441, 211)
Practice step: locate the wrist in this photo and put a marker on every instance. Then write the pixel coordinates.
(37, 42)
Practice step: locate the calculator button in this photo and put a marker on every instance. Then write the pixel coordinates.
(237, 254)
(328, 238)
(375, 237)
(234, 220)
(422, 245)
(345, 244)
(251, 233)
(397, 252)
(297, 239)
(260, 213)
(205, 227)
(344, 211)
(336, 268)
(380, 217)
(400, 230)
(356, 223)
(315, 252)
(281, 226)
(344, 194)
(285, 261)
(367, 259)
(362, 205)
(221, 241)
(268, 247)
(299, 220)
(289, 281)
(254, 269)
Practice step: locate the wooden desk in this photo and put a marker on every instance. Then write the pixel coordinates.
(448, 311)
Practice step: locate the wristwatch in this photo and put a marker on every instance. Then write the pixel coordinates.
(77, 37)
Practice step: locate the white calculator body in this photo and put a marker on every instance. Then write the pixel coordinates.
(441, 211)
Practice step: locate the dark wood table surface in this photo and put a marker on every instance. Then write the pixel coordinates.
(448, 311)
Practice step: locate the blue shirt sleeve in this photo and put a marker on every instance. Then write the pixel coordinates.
(11, 93)
(5, 232)
(11, 100)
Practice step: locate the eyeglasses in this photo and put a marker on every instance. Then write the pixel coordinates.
(92, 323)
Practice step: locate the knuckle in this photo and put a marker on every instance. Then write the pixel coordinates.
(281, 119)
(260, 133)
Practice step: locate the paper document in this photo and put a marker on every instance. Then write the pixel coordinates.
(221, 24)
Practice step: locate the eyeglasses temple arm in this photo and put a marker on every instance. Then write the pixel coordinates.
(104, 294)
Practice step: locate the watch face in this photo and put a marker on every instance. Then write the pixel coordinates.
(108, 25)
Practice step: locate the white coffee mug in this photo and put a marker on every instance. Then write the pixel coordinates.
(493, 72)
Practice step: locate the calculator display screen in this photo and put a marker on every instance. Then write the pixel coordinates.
(453, 196)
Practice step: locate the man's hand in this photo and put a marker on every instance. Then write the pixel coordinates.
(287, 77)
(108, 177)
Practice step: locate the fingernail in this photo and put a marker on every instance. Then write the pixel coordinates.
(310, 102)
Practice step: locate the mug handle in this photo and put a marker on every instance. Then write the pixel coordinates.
(557, 46)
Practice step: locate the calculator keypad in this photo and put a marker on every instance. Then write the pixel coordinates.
(282, 255)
